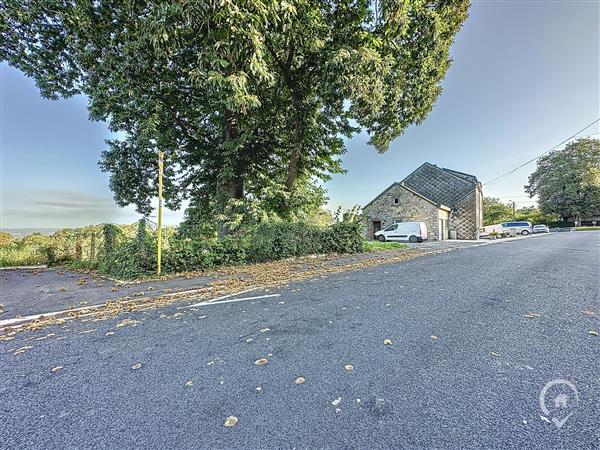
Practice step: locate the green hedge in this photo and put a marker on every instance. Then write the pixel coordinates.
(264, 242)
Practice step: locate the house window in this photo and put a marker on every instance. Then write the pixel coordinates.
(396, 200)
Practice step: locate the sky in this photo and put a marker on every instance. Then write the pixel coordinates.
(526, 75)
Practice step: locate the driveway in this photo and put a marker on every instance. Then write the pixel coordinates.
(475, 336)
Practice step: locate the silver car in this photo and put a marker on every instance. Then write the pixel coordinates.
(523, 228)
(540, 229)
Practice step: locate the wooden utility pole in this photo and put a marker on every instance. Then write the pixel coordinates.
(160, 185)
(514, 211)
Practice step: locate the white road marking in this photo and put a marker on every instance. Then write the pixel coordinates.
(39, 316)
(223, 297)
(16, 320)
(212, 302)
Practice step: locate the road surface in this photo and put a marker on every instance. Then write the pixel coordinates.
(476, 334)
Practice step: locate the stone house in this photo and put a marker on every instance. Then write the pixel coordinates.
(449, 202)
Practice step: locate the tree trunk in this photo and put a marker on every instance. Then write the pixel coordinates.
(297, 144)
(234, 186)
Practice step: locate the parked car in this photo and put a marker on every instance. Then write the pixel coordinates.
(540, 228)
(523, 228)
(493, 230)
(403, 231)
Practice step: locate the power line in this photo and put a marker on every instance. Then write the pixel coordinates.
(504, 175)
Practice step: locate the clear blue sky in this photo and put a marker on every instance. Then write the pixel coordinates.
(525, 76)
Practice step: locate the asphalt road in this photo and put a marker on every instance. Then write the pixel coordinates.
(26, 292)
(507, 318)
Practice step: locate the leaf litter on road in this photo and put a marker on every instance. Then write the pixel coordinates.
(230, 280)
(231, 421)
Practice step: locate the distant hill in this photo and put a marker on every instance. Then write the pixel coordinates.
(22, 232)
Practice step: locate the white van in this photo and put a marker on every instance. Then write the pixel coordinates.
(491, 230)
(403, 231)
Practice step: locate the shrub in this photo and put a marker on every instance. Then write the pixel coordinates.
(132, 258)
(264, 242)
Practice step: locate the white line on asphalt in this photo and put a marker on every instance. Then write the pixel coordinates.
(208, 303)
(223, 297)
(15, 320)
(39, 316)
(42, 266)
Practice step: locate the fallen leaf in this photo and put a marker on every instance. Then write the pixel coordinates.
(258, 389)
(349, 367)
(202, 317)
(261, 362)
(300, 380)
(62, 289)
(56, 369)
(594, 333)
(125, 322)
(336, 401)
(531, 316)
(231, 421)
(189, 383)
(387, 342)
(114, 289)
(249, 340)
(110, 333)
(136, 366)
(434, 338)
(494, 354)
(264, 330)
(138, 294)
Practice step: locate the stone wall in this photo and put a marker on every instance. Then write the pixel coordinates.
(467, 216)
(410, 208)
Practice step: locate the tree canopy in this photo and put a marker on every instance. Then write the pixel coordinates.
(567, 182)
(250, 100)
(495, 211)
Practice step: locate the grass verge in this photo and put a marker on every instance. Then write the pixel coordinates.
(587, 228)
(376, 246)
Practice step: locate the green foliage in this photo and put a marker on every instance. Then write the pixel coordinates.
(567, 182)
(251, 101)
(266, 241)
(110, 232)
(535, 216)
(378, 246)
(132, 258)
(494, 211)
(6, 239)
(15, 254)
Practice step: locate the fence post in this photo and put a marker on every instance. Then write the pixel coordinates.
(78, 248)
(93, 246)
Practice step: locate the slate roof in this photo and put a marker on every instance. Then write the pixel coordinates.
(442, 186)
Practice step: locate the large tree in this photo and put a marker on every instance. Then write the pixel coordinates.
(250, 99)
(494, 211)
(567, 182)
